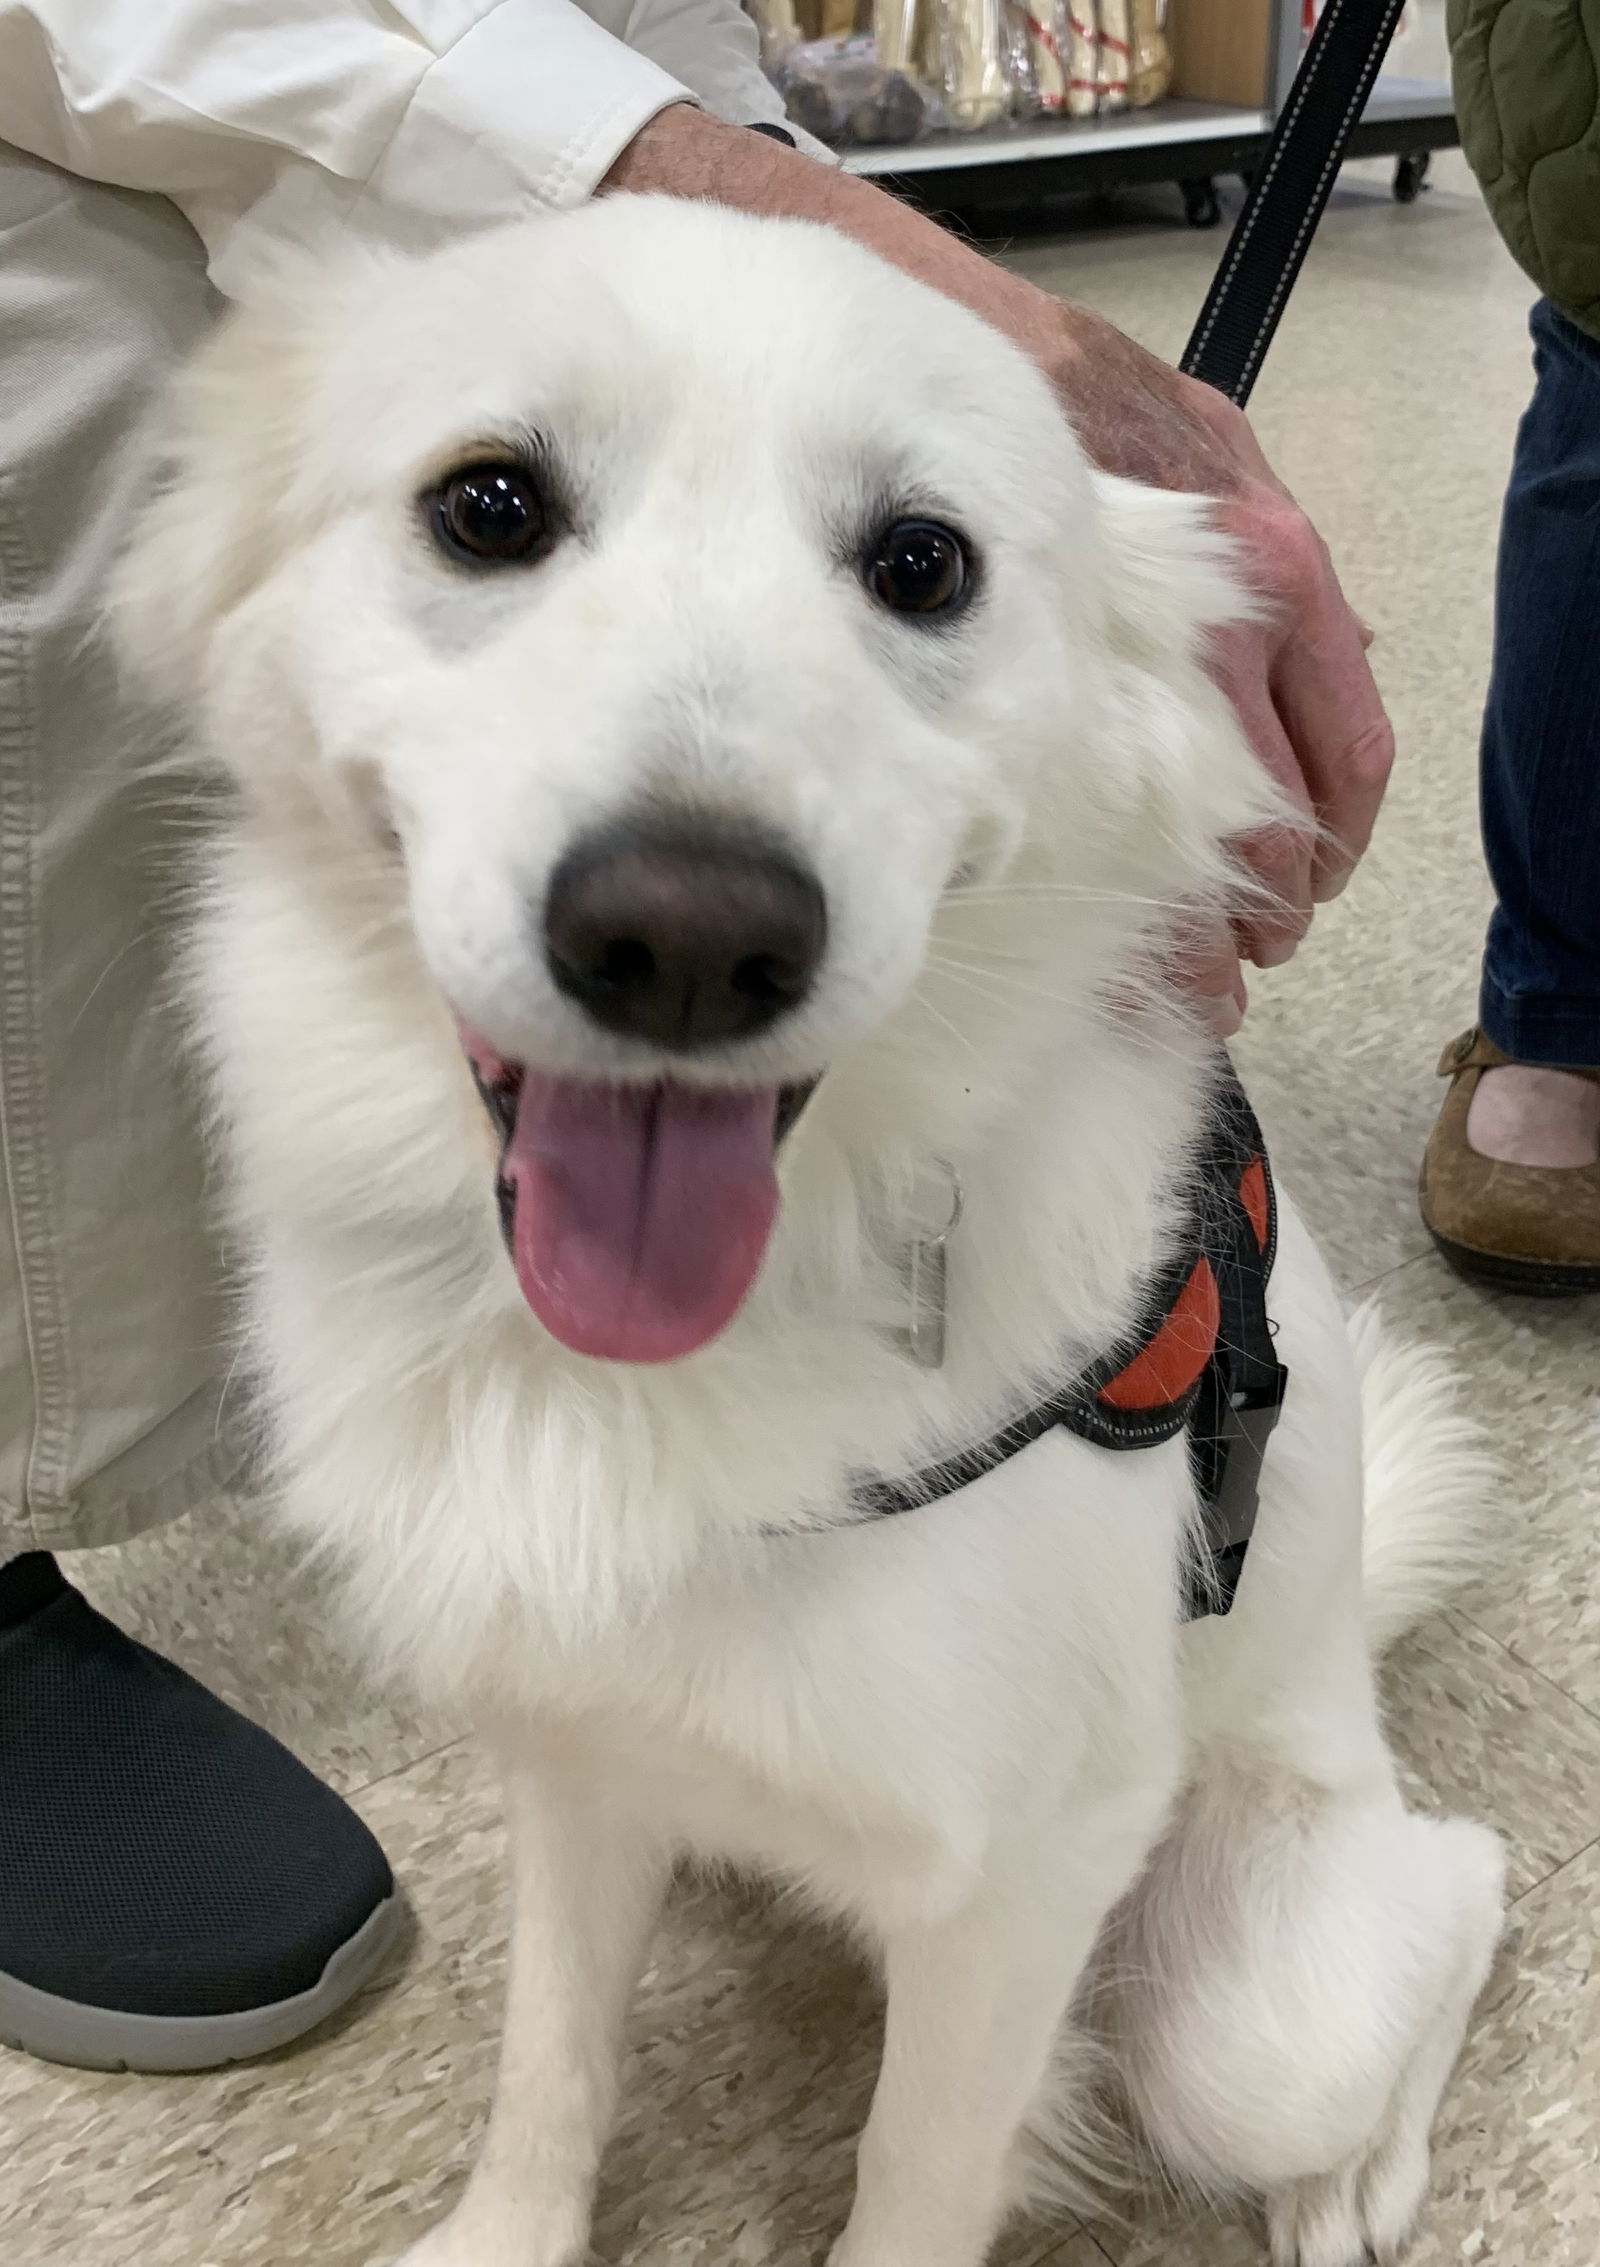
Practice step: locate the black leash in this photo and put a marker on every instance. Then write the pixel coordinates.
(1272, 234)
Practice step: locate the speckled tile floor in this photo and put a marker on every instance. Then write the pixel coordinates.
(1389, 404)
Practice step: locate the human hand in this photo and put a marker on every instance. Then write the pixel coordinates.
(1297, 676)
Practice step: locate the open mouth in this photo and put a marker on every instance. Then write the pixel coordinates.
(636, 1217)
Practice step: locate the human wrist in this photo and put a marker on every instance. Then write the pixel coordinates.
(684, 151)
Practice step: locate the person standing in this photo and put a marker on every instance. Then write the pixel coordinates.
(1511, 1179)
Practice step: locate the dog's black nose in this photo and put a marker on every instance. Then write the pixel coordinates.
(683, 936)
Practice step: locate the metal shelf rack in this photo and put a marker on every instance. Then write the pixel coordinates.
(1187, 142)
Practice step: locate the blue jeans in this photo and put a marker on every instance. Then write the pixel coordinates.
(1540, 768)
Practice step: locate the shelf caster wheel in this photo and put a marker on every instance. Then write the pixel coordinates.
(1410, 177)
(1202, 207)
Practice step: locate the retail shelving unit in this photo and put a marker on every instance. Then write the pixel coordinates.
(1187, 142)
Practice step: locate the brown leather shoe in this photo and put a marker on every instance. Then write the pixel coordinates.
(1533, 1228)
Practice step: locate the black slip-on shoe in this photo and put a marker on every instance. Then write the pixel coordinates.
(177, 1891)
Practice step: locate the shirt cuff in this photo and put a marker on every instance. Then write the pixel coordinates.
(533, 106)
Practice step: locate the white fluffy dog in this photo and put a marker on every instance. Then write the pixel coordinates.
(682, 672)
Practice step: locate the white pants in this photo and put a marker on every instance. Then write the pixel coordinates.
(112, 1326)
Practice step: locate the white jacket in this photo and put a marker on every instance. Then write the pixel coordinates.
(401, 118)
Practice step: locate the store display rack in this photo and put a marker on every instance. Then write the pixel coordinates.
(1190, 143)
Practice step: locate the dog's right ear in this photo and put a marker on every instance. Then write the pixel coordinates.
(224, 445)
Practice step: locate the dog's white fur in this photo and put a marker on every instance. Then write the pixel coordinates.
(978, 1732)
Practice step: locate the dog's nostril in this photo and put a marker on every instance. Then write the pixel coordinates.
(683, 935)
(761, 976)
(625, 961)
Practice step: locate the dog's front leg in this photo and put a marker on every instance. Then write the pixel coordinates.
(586, 1887)
(976, 2004)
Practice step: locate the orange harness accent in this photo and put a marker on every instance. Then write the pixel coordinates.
(1170, 1365)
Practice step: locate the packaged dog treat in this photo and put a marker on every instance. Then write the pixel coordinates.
(1083, 59)
(1114, 46)
(977, 89)
(1044, 33)
(842, 92)
(1150, 64)
(779, 28)
(895, 24)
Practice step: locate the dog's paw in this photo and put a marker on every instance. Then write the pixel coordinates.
(455, 2243)
(1361, 2216)
(446, 2246)
(436, 2249)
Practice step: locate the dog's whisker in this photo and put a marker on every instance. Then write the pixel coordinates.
(1073, 893)
(958, 970)
(991, 952)
(972, 978)
(939, 1016)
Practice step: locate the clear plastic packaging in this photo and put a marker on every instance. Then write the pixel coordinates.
(1113, 46)
(778, 26)
(1150, 63)
(1083, 56)
(977, 84)
(842, 92)
(1043, 40)
(889, 71)
(894, 29)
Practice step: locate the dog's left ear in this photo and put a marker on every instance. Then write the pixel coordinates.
(1176, 575)
(1174, 580)
(224, 446)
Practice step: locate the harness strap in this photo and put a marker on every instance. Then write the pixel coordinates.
(1243, 1386)
(1200, 1361)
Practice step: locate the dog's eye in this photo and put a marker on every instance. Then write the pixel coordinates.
(918, 567)
(494, 515)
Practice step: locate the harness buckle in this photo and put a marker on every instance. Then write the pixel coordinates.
(1235, 1450)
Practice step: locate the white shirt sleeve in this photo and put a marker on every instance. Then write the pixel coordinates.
(402, 119)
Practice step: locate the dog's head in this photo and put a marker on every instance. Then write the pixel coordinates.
(703, 620)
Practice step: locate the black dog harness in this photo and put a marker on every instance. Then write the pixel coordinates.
(1200, 1361)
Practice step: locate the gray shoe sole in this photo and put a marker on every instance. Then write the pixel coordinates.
(103, 2038)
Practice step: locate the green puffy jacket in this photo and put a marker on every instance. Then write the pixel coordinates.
(1527, 85)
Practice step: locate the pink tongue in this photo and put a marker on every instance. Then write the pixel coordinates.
(642, 1213)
